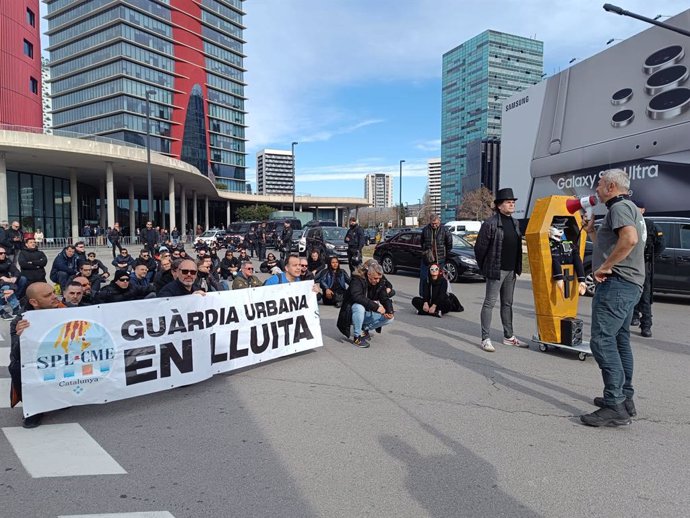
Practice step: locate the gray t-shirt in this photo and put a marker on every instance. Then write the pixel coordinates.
(621, 214)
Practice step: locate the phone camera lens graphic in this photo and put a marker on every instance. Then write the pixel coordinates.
(662, 58)
(665, 79)
(622, 118)
(669, 104)
(622, 96)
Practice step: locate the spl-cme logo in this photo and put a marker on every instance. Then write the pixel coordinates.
(75, 354)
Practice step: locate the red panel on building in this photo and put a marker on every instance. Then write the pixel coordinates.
(189, 64)
(20, 64)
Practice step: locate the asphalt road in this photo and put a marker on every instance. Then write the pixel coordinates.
(423, 423)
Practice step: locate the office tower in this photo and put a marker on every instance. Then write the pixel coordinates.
(20, 64)
(477, 75)
(483, 164)
(434, 184)
(108, 57)
(378, 190)
(274, 172)
(47, 104)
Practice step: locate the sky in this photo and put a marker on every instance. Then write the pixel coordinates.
(357, 83)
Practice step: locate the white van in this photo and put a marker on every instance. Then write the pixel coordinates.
(456, 227)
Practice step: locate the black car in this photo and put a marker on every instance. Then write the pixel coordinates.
(321, 223)
(370, 235)
(333, 237)
(671, 267)
(404, 251)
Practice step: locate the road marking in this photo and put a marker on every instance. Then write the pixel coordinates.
(4, 356)
(5, 393)
(60, 450)
(144, 514)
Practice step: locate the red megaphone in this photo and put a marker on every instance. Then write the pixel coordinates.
(584, 204)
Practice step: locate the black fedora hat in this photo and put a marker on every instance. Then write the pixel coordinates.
(503, 195)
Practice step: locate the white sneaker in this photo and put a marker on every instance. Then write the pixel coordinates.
(487, 345)
(514, 341)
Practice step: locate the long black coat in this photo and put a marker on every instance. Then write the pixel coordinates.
(33, 264)
(439, 241)
(489, 245)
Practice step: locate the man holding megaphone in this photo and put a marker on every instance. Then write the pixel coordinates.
(584, 204)
(618, 265)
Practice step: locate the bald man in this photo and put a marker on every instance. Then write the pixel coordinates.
(40, 295)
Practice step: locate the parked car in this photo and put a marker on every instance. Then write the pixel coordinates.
(321, 223)
(391, 232)
(213, 235)
(333, 237)
(404, 252)
(370, 235)
(237, 231)
(297, 247)
(671, 267)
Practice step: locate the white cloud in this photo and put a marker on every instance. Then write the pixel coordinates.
(429, 145)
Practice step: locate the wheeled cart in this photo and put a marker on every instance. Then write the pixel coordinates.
(582, 348)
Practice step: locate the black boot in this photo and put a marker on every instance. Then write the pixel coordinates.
(607, 416)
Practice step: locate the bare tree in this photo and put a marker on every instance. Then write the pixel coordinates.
(476, 205)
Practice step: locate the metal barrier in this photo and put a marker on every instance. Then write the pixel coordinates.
(58, 243)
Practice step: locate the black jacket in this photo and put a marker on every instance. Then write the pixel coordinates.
(62, 263)
(33, 264)
(150, 236)
(162, 278)
(489, 245)
(654, 244)
(7, 269)
(355, 238)
(361, 292)
(286, 238)
(113, 293)
(174, 289)
(439, 241)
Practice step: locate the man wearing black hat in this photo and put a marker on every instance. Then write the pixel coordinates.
(654, 245)
(498, 250)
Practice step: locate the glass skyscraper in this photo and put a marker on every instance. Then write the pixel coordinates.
(106, 55)
(477, 75)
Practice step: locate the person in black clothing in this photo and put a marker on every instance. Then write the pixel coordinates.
(123, 261)
(32, 262)
(205, 280)
(334, 283)
(119, 289)
(150, 237)
(80, 251)
(261, 241)
(355, 240)
(97, 266)
(229, 266)
(565, 252)
(498, 250)
(185, 275)
(436, 300)
(653, 246)
(146, 258)
(285, 241)
(164, 274)
(436, 243)
(86, 271)
(305, 274)
(64, 266)
(250, 241)
(270, 263)
(114, 235)
(316, 262)
(15, 237)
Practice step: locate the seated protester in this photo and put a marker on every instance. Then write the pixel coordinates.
(97, 267)
(10, 277)
(205, 280)
(213, 254)
(64, 266)
(304, 273)
(243, 256)
(85, 270)
(123, 261)
(32, 262)
(389, 287)
(175, 254)
(80, 251)
(183, 254)
(146, 259)
(40, 295)
(73, 294)
(334, 283)
(139, 280)
(291, 273)
(88, 298)
(246, 277)
(163, 275)
(119, 290)
(9, 303)
(366, 305)
(229, 265)
(270, 263)
(316, 261)
(184, 271)
(436, 300)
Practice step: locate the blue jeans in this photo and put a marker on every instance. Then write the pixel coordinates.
(363, 320)
(612, 310)
(12, 300)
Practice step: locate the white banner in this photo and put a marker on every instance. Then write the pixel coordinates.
(97, 354)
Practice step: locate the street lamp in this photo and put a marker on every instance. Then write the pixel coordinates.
(149, 93)
(294, 178)
(402, 221)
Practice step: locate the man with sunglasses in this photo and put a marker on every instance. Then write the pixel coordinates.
(11, 278)
(184, 271)
(146, 258)
(246, 278)
(97, 266)
(119, 289)
(123, 261)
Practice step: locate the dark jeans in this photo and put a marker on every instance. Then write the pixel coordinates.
(118, 245)
(505, 286)
(261, 250)
(612, 309)
(643, 310)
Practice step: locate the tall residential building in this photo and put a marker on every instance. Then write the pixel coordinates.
(45, 95)
(434, 184)
(274, 172)
(378, 190)
(20, 64)
(477, 75)
(186, 56)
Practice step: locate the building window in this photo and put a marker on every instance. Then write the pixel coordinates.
(28, 49)
(33, 85)
(30, 17)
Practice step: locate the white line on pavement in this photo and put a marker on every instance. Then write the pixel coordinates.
(144, 514)
(60, 450)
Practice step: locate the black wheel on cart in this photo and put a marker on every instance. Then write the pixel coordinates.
(582, 356)
(543, 348)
